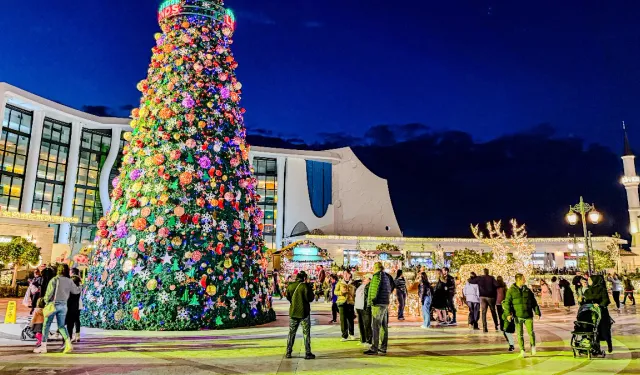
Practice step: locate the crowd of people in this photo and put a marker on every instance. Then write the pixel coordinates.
(512, 308)
(54, 294)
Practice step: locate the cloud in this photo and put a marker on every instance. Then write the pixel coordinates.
(339, 139)
(380, 135)
(255, 17)
(312, 24)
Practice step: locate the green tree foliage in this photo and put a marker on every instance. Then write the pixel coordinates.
(467, 256)
(600, 259)
(20, 253)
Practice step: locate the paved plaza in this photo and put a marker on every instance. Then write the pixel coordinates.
(261, 350)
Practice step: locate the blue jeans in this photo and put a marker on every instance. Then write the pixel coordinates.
(426, 312)
(60, 315)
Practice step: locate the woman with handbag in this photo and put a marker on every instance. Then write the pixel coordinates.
(58, 291)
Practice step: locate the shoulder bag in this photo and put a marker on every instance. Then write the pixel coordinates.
(50, 307)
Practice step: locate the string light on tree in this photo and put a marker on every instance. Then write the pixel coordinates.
(510, 254)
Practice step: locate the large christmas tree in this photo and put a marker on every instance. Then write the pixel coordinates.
(181, 247)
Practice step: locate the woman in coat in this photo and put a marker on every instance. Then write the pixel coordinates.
(440, 295)
(596, 293)
(556, 294)
(567, 294)
(425, 292)
(545, 293)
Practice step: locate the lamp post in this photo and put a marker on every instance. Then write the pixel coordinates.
(584, 209)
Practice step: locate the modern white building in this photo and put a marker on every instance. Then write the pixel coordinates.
(59, 161)
(57, 164)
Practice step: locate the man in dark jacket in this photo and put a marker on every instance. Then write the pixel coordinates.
(380, 289)
(450, 287)
(487, 285)
(521, 303)
(300, 294)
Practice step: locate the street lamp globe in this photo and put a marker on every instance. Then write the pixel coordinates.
(572, 218)
(595, 216)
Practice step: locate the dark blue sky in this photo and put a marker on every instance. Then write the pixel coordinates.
(487, 67)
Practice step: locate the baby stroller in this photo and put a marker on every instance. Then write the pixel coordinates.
(584, 338)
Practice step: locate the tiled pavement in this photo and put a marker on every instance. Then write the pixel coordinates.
(260, 351)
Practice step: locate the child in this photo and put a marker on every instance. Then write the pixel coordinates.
(38, 320)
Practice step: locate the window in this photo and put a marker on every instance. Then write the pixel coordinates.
(14, 148)
(52, 170)
(94, 149)
(266, 171)
(115, 171)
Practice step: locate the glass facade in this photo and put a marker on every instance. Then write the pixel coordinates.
(94, 149)
(52, 170)
(14, 149)
(115, 171)
(266, 171)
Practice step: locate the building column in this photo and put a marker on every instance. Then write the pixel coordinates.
(106, 169)
(70, 180)
(3, 107)
(281, 164)
(32, 161)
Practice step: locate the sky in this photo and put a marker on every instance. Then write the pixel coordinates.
(486, 67)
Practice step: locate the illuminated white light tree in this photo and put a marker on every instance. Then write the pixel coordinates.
(511, 254)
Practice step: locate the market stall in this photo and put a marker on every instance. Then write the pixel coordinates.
(391, 260)
(303, 256)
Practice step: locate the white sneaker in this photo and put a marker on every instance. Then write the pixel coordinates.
(423, 326)
(522, 354)
(352, 338)
(343, 339)
(533, 350)
(42, 349)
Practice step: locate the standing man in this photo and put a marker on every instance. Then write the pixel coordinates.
(300, 294)
(346, 293)
(380, 289)
(450, 287)
(471, 294)
(488, 286)
(521, 302)
(364, 311)
(401, 293)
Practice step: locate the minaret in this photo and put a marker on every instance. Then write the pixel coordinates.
(631, 182)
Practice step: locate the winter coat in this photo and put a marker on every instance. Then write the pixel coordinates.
(346, 292)
(487, 285)
(440, 296)
(471, 292)
(451, 285)
(556, 294)
(628, 285)
(521, 302)
(361, 297)
(568, 298)
(380, 287)
(424, 290)
(401, 284)
(300, 298)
